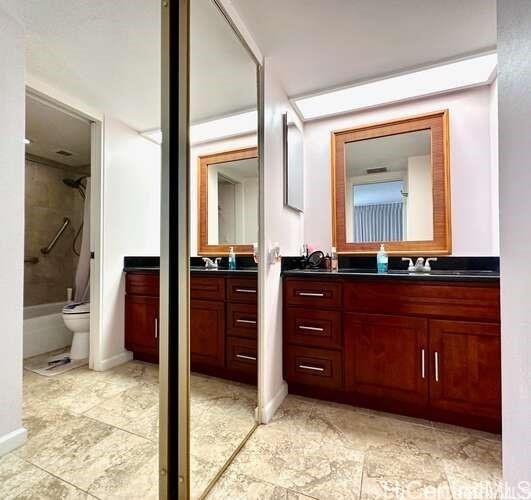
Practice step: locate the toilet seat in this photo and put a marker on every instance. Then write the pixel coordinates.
(76, 308)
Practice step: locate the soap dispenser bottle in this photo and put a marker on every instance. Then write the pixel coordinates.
(232, 259)
(382, 260)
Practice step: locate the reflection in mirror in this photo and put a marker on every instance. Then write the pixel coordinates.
(228, 197)
(293, 164)
(388, 191)
(223, 213)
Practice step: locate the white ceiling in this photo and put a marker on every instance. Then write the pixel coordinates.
(106, 53)
(222, 73)
(240, 169)
(322, 44)
(391, 151)
(51, 130)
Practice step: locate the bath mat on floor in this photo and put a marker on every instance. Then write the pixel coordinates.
(40, 365)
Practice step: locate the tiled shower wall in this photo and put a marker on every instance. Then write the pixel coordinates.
(47, 202)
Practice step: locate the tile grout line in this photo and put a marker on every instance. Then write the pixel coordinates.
(362, 474)
(155, 441)
(40, 467)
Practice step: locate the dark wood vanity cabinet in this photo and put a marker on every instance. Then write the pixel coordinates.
(142, 315)
(426, 349)
(223, 326)
(466, 368)
(384, 359)
(223, 322)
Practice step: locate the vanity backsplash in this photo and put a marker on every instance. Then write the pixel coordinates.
(369, 262)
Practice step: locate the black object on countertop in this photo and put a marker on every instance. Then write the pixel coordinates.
(444, 269)
(395, 263)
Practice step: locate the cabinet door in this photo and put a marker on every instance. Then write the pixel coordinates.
(386, 360)
(142, 326)
(466, 369)
(207, 333)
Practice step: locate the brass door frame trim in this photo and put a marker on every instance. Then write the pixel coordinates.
(174, 371)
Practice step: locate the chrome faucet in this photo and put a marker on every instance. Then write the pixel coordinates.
(211, 264)
(420, 265)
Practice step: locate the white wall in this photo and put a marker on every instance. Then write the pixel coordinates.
(281, 225)
(131, 225)
(12, 110)
(470, 167)
(245, 141)
(420, 198)
(494, 177)
(514, 82)
(250, 209)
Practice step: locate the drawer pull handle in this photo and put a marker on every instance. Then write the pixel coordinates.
(436, 356)
(156, 328)
(310, 294)
(311, 328)
(243, 356)
(247, 321)
(314, 368)
(246, 290)
(423, 355)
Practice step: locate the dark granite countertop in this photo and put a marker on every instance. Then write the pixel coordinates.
(195, 270)
(434, 275)
(141, 269)
(228, 272)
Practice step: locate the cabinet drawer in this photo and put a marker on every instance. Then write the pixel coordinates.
(313, 367)
(313, 327)
(312, 293)
(242, 290)
(207, 287)
(242, 355)
(468, 301)
(142, 284)
(242, 320)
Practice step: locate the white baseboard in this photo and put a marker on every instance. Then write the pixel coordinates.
(107, 364)
(13, 440)
(270, 408)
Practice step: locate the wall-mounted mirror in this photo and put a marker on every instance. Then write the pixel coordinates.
(391, 185)
(228, 201)
(224, 182)
(293, 163)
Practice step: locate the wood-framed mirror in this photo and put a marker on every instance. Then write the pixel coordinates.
(228, 201)
(391, 185)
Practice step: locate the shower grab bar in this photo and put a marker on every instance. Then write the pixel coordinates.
(31, 260)
(46, 250)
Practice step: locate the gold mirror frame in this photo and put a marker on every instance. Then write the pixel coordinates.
(203, 247)
(437, 123)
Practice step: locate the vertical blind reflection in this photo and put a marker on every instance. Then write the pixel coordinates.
(379, 222)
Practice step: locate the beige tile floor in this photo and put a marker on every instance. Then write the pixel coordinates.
(320, 450)
(94, 435)
(90, 435)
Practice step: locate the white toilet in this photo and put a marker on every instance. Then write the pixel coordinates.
(77, 319)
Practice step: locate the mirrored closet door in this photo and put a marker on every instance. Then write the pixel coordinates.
(224, 187)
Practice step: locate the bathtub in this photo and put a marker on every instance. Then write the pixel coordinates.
(44, 329)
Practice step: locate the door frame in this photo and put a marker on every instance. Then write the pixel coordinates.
(53, 97)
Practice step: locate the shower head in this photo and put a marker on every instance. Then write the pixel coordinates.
(76, 184)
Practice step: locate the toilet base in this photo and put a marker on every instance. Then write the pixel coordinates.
(80, 345)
